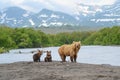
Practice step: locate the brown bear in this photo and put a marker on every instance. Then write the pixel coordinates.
(69, 50)
(36, 57)
(48, 57)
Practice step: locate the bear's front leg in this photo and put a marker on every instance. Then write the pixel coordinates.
(75, 57)
(50, 60)
(71, 58)
(39, 59)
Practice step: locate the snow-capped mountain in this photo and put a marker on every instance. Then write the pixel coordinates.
(14, 16)
(109, 16)
(89, 15)
(17, 17)
(85, 15)
(49, 18)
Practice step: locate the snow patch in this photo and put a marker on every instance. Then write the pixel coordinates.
(111, 15)
(92, 20)
(85, 9)
(25, 15)
(77, 18)
(54, 16)
(84, 14)
(105, 20)
(14, 21)
(98, 10)
(3, 15)
(25, 26)
(56, 23)
(32, 23)
(44, 24)
(43, 21)
(3, 18)
(43, 15)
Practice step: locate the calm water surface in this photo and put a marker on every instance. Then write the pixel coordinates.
(87, 54)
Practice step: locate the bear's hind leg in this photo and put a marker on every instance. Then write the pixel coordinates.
(63, 57)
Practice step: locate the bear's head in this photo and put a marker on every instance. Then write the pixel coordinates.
(40, 52)
(77, 45)
(48, 53)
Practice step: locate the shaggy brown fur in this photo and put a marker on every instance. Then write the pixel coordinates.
(36, 57)
(48, 57)
(69, 50)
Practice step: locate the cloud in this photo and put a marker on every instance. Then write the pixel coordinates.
(64, 6)
(67, 6)
(97, 2)
(17, 2)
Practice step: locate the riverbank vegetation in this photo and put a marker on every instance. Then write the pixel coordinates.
(31, 38)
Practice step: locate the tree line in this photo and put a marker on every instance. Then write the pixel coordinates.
(11, 38)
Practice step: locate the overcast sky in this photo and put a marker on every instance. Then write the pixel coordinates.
(57, 5)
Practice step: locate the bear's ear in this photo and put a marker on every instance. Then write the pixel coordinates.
(50, 51)
(80, 42)
(38, 50)
(41, 51)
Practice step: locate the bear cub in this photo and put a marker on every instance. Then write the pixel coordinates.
(36, 57)
(48, 57)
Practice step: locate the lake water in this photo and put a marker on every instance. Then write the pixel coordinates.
(87, 54)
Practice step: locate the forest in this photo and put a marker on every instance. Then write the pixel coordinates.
(12, 38)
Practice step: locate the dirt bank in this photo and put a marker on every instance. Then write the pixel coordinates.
(58, 71)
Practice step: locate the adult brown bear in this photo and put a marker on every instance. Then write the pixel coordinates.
(69, 50)
(48, 57)
(36, 57)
